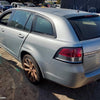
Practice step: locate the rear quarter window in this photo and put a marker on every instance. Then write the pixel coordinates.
(86, 27)
(43, 26)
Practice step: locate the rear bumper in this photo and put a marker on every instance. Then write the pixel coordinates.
(70, 75)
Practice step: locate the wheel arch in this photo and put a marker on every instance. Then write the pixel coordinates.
(34, 57)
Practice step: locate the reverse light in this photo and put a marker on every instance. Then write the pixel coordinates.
(71, 55)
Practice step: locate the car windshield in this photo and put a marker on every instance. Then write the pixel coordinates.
(87, 27)
(4, 3)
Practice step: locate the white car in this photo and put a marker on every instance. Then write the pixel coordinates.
(17, 4)
(61, 45)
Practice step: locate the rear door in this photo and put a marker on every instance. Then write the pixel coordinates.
(13, 35)
(87, 29)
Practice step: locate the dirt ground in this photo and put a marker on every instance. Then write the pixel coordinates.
(15, 86)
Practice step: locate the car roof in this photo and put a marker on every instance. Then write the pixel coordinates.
(68, 13)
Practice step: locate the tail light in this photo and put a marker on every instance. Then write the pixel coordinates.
(71, 55)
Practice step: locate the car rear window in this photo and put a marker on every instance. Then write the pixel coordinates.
(86, 27)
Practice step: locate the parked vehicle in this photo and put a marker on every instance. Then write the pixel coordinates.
(29, 4)
(57, 44)
(17, 4)
(57, 6)
(4, 5)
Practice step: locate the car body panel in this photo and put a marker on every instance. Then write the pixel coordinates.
(43, 48)
(91, 54)
(12, 39)
(41, 52)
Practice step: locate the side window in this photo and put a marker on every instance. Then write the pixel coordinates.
(43, 26)
(19, 19)
(29, 23)
(4, 20)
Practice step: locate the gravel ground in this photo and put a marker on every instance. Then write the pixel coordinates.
(15, 86)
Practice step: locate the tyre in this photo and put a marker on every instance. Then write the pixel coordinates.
(31, 69)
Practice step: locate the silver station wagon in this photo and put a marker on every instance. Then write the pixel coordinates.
(57, 44)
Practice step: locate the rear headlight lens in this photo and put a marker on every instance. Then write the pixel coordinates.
(71, 55)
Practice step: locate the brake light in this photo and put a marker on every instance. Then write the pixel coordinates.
(72, 55)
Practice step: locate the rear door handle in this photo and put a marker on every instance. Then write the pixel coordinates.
(20, 36)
